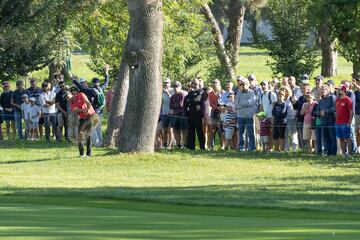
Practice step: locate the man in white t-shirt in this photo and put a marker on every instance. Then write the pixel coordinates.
(267, 100)
(47, 102)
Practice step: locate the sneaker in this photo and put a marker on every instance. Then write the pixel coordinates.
(81, 156)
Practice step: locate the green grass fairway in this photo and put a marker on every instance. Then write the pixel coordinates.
(47, 192)
(88, 219)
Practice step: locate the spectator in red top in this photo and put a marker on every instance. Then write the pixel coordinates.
(214, 97)
(177, 121)
(88, 119)
(344, 116)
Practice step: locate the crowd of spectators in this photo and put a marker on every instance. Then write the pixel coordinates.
(278, 115)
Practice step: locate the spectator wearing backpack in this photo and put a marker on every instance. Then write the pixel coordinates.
(267, 101)
(95, 94)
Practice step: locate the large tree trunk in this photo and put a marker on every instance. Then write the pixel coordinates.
(144, 56)
(328, 52)
(58, 69)
(120, 88)
(236, 14)
(54, 69)
(356, 69)
(219, 42)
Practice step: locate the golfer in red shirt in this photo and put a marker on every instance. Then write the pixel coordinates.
(80, 105)
(344, 116)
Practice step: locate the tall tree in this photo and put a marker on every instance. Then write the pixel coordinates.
(321, 19)
(290, 30)
(143, 55)
(228, 53)
(345, 26)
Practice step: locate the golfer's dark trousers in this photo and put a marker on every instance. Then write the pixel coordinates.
(195, 124)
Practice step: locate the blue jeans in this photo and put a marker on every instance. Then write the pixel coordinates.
(329, 136)
(18, 123)
(248, 124)
(50, 118)
(319, 148)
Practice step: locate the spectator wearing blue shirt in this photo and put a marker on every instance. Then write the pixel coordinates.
(16, 101)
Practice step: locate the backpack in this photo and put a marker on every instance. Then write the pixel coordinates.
(99, 99)
(269, 97)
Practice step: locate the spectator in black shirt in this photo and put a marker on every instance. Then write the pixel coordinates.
(62, 114)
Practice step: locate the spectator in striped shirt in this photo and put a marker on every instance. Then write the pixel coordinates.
(229, 124)
(265, 131)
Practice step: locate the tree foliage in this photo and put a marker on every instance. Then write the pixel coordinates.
(345, 26)
(103, 29)
(31, 31)
(290, 30)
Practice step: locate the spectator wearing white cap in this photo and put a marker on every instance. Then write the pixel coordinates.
(245, 106)
(316, 91)
(25, 113)
(167, 92)
(34, 116)
(229, 124)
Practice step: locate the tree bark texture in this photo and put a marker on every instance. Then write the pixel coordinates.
(144, 58)
(219, 42)
(120, 88)
(356, 63)
(236, 14)
(58, 69)
(328, 52)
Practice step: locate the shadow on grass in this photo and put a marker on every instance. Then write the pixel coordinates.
(68, 220)
(23, 144)
(293, 193)
(292, 157)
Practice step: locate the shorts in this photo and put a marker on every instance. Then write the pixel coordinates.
(229, 133)
(27, 124)
(8, 116)
(343, 131)
(41, 120)
(279, 131)
(214, 121)
(34, 125)
(308, 133)
(357, 121)
(178, 123)
(264, 139)
(165, 119)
